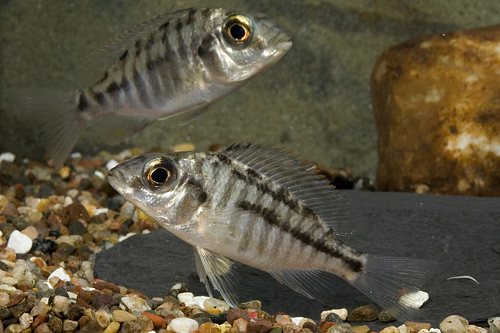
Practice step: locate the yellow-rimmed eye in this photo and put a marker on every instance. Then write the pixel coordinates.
(237, 30)
(158, 176)
(160, 173)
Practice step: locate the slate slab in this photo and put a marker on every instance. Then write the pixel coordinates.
(461, 232)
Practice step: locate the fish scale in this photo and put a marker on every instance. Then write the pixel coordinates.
(259, 205)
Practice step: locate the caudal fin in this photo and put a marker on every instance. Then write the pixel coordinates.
(54, 117)
(394, 283)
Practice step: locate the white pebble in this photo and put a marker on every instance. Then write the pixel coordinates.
(111, 164)
(19, 242)
(76, 155)
(342, 313)
(99, 174)
(7, 157)
(122, 238)
(25, 320)
(134, 304)
(183, 325)
(185, 297)
(101, 210)
(8, 289)
(60, 273)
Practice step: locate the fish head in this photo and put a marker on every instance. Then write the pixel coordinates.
(243, 46)
(160, 186)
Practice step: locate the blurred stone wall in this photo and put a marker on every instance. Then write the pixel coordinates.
(316, 100)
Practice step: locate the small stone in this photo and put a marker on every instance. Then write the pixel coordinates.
(146, 323)
(183, 325)
(340, 328)
(360, 329)
(158, 321)
(60, 305)
(104, 300)
(258, 326)
(75, 312)
(236, 313)
(290, 328)
(84, 320)
(55, 324)
(131, 327)
(251, 305)
(313, 327)
(454, 324)
(385, 317)
(76, 227)
(276, 330)
(134, 304)
(19, 309)
(415, 327)
(363, 313)
(69, 325)
(31, 232)
(19, 242)
(112, 328)
(390, 329)
(342, 313)
(91, 327)
(4, 298)
(44, 245)
(25, 320)
(333, 317)
(43, 328)
(476, 329)
(325, 326)
(122, 316)
(103, 318)
(106, 285)
(20, 223)
(39, 308)
(75, 211)
(494, 323)
(241, 324)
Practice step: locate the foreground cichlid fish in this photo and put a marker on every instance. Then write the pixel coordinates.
(175, 63)
(259, 205)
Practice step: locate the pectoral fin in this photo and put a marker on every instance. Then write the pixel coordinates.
(220, 271)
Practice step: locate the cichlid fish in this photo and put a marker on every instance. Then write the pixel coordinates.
(259, 205)
(176, 63)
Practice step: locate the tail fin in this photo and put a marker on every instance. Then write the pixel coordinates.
(55, 118)
(394, 283)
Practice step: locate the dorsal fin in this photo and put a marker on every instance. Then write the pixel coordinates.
(299, 178)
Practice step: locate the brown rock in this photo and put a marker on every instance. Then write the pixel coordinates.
(40, 319)
(313, 327)
(415, 327)
(437, 111)
(83, 321)
(236, 313)
(130, 327)
(363, 313)
(258, 326)
(158, 321)
(75, 211)
(106, 285)
(326, 325)
(91, 327)
(43, 328)
(17, 299)
(55, 324)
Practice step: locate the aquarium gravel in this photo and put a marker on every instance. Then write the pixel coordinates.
(53, 223)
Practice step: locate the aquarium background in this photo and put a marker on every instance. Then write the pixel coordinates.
(315, 100)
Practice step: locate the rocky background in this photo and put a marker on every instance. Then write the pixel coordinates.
(316, 100)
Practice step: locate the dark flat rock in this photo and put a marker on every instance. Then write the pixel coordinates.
(461, 232)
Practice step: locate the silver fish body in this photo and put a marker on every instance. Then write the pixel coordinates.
(261, 206)
(176, 63)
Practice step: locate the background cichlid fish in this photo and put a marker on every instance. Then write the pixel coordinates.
(259, 205)
(176, 63)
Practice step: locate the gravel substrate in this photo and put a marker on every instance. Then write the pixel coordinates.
(54, 222)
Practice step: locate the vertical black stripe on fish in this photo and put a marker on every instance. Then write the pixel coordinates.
(113, 89)
(124, 56)
(150, 42)
(83, 102)
(138, 48)
(142, 93)
(276, 221)
(98, 97)
(198, 190)
(191, 16)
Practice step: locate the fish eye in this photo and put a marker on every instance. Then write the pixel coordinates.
(160, 173)
(237, 30)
